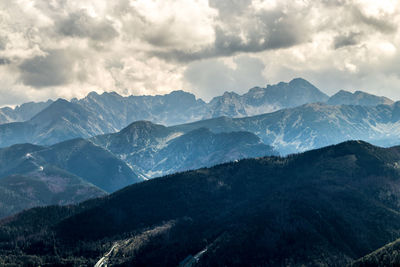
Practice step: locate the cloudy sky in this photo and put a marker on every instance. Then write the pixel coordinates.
(67, 48)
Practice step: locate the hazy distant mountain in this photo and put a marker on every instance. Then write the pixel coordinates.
(264, 100)
(173, 108)
(326, 207)
(60, 121)
(296, 129)
(155, 150)
(229, 104)
(288, 130)
(64, 120)
(23, 112)
(358, 98)
(94, 115)
(182, 107)
(313, 125)
(179, 107)
(176, 107)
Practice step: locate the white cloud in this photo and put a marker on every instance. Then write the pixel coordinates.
(67, 48)
(181, 24)
(212, 77)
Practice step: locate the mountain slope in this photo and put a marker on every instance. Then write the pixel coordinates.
(324, 207)
(202, 148)
(64, 173)
(60, 121)
(387, 255)
(23, 112)
(79, 157)
(90, 162)
(264, 100)
(293, 128)
(17, 159)
(182, 107)
(155, 150)
(48, 186)
(173, 108)
(289, 130)
(63, 120)
(358, 98)
(110, 112)
(313, 125)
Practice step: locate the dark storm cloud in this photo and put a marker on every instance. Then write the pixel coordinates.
(348, 39)
(53, 69)
(67, 48)
(4, 61)
(3, 42)
(242, 29)
(383, 25)
(228, 9)
(266, 30)
(160, 36)
(83, 26)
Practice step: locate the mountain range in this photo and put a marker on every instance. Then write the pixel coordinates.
(78, 157)
(179, 107)
(23, 112)
(172, 180)
(326, 207)
(80, 169)
(65, 173)
(306, 118)
(358, 98)
(108, 113)
(264, 100)
(314, 125)
(155, 150)
(60, 121)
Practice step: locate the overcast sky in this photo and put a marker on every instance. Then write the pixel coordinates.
(67, 48)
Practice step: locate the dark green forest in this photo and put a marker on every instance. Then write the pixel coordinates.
(329, 206)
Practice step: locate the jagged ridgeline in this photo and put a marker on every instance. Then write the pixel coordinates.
(179, 106)
(329, 206)
(79, 169)
(294, 116)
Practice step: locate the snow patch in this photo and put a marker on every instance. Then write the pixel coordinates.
(163, 142)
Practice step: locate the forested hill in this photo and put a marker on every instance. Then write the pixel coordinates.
(329, 206)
